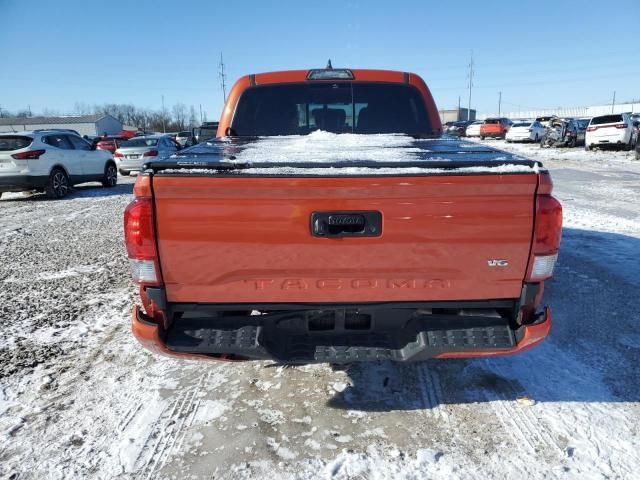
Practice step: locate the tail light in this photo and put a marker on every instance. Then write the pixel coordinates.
(151, 153)
(118, 155)
(547, 234)
(30, 155)
(139, 234)
(591, 129)
(621, 125)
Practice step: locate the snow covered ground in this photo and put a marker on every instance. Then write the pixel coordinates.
(80, 399)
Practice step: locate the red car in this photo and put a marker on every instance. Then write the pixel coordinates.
(111, 144)
(495, 128)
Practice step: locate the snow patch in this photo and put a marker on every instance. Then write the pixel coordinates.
(209, 410)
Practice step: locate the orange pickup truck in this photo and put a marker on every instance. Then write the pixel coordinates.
(330, 222)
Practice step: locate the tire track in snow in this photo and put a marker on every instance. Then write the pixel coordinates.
(431, 393)
(167, 428)
(526, 425)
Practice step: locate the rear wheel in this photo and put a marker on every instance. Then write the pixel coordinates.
(481, 137)
(58, 184)
(630, 145)
(110, 176)
(572, 142)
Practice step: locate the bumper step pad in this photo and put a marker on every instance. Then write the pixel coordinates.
(402, 344)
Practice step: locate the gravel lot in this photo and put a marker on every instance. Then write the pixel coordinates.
(80, 399)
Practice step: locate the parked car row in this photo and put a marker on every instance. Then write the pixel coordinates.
(620, 130)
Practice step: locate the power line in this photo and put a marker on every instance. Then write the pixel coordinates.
(613, 104)
(470, 86)
(223, 78)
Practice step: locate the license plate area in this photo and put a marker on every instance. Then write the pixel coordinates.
(346, 224)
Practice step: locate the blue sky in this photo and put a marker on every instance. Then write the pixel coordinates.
(54, 54)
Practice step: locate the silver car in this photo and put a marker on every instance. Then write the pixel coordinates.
(185, 139)
(134, 153)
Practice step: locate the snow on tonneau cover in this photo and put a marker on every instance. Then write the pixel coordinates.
(325, 153)
(233, 219)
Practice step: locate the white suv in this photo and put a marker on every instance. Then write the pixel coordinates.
(51, 161)
(610, 130)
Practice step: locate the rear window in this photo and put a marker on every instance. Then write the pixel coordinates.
(343, 107)
(8, 143)
(139, 142)
(184, 134)
(491, 121)
(607, 119)
(522, 124)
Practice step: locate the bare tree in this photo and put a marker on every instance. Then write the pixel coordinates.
(192, 117)
(179, 115)
(81, 108)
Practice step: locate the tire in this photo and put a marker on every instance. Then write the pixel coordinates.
(58, 184)
(630, 146)
(571, 143)
(110, 178)
(124, 173)
(637, 155)
(481, 138)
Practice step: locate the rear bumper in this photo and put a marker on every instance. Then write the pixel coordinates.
(493, 134)
(17, 183)
(519, 137)
(612, 139)
(251, 338)
(130, 164)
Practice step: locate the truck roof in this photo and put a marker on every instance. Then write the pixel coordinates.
(359, 75)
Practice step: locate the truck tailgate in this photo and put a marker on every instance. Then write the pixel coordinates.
(244, 239)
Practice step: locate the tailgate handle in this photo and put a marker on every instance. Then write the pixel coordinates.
(346, 224)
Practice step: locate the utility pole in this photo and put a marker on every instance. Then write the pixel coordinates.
(470, 86)
(613, 104)
(164, 129)
(223, 78)
(200, 114)
(499, 103)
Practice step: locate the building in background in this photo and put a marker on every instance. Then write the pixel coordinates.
(564, 112)
(92, 125)
(456, 115)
